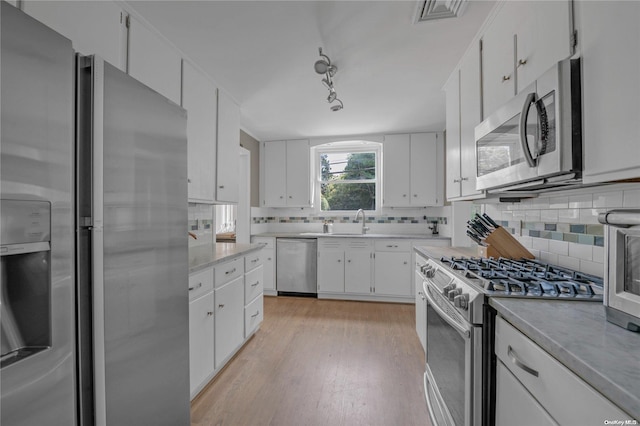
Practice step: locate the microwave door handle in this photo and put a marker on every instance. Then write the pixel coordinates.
(523, 129)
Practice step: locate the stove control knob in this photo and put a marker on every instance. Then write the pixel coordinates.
(461, 301)
(453, 293)
(430, 272)
(447, 289)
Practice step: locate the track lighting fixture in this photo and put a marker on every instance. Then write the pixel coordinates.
(325, 67)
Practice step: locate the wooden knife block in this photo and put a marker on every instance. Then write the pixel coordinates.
(501, 243)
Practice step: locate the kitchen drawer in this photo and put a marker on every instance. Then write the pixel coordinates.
(359, 244)
(253, 284)
(253, 315)
(550, 382)
(253, 260)
(331, 244)
(200, 283)
(269, 242)
(228, 271)
(393, 245)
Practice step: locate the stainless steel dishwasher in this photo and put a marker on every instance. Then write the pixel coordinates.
(296, 266)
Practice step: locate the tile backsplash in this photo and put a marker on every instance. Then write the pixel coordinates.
(349, 219)
(200, 222)
(563, 229)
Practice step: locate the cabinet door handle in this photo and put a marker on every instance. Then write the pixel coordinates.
(255, 284)
(404, 195)
(518, 363)
(405, 262)
(221, 305)
(506, 78)
(221, 187)
(188, 180)
(349, 260)
(457, 180)
(415, 195)
(256, 314)
(521, 62)
(268, 258)
(290, 196)
(464, 179)
(230, 272)
(195, 287)
(209, 314)
(255, 260)
(339, 260)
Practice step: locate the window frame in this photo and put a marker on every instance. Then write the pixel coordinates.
(346, 147)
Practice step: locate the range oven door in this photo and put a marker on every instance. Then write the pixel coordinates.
(453, 374)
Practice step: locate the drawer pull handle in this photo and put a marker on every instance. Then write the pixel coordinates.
(255, 260)
(230, 272)
(517, 362)
(392, 246)
(256, 314)
(209, 314)
(221, 305)
(195, 287)
(255, 284)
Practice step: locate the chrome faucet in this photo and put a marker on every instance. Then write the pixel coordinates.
(364, 228)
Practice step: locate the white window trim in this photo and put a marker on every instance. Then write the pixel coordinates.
(351, 147)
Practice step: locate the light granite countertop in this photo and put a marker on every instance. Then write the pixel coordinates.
(202, 257)
(576, 334)
(349, 235)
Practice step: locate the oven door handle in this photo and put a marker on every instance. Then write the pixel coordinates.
(466, 332)
(531, 98)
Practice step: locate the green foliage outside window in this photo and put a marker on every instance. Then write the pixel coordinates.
(349, 186)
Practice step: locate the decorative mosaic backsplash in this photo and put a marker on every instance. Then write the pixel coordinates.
(349, 219)
(592, 235)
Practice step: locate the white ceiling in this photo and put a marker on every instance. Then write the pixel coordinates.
(390, 70)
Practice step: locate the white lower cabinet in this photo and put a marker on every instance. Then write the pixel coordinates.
(527, 373)
(357, 271)
(393, 274)
(253, 316)
(229, 324)
(222, 316)
(201, 325)
(421, 311)
(392, 268)
(516, 405)
(330, 271)
(269, 263)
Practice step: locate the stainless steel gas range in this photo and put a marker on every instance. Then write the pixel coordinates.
(459, 377)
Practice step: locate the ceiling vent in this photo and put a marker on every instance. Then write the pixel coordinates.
(429, 10)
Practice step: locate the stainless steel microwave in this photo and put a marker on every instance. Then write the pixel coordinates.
(622, 267)
(534, 141)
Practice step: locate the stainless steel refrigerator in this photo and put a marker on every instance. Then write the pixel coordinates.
(109, 155)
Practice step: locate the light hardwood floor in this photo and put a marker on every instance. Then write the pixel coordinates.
(321, 362)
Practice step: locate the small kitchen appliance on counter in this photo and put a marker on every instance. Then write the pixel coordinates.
(622, 267)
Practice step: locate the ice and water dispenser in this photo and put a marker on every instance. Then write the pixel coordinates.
(25, 278)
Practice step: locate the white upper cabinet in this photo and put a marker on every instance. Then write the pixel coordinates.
(96, 27)
(525, 39)
(228, 150)
(412, 171)
(286, 173)
(452, 93)
(498, 82)
(396, 175)
(609, 40)
(424, 167)
(274, 168)
(470, 117)
(298, 173)
(199, 98)
(153, 61)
